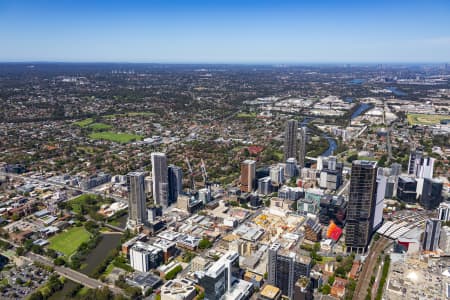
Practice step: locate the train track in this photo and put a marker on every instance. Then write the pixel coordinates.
(369, 265)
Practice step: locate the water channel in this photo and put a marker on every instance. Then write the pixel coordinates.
(108, 242)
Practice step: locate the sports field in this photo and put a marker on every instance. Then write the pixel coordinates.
(130, 114)
(244, 115)
(100, 126)
(68, 241)
(84, 123)
(115, 137)
(423, 119)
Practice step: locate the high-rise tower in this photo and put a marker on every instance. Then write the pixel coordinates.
(431, 235)
(302, 147)
(361, 205)
(160, 179)
(137, 210)
(175, 183)
(285, 268)
(290, 139)
(248, 169)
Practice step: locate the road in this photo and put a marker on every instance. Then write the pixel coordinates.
(368, 267)
(72, 274)
(343, 188)
(58, 184)
(66, 272)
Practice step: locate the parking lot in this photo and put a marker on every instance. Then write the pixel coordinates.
(18, 282)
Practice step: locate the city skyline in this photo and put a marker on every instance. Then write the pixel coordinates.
(225, 32)
(224, 150)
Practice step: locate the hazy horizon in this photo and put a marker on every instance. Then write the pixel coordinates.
(225, 32)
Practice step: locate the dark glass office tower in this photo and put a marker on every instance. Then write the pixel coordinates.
(406, 189)
(431, 235)
(160, 179)
(175, 183)
(431, 193)
(361, 205)
(290, 140)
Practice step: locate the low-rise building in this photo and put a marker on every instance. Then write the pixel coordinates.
(254, 278)
(338, 288)
(199, 263)
(270, 292)
(178, 289)
(144, 257)
(169, 248)
(313, 230)
(144, 281)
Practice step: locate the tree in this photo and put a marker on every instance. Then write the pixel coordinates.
(20, 251)
(59, 261)
(244, 205)
(204, 244)
(134, 292)
(331, 280)
(90, 226)
(51, 253)
(173, 273)
(326, 289)
(188, 256)
(233, 203)
(28, 244)
(352, 157)
(148, 292)
(102, 293)
(316, 247)
(37, 249)
(376, 237)
(36, 296)
(4, 245)
(293, 182)
(382, 161)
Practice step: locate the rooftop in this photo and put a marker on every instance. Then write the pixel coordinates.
(270, 291)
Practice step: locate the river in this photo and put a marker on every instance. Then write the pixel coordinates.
(108, 242)
(361, 108)
(396, 91)
(332, 145)
(122, 221)
(356, 81)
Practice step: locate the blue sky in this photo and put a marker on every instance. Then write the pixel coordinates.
(225, 31)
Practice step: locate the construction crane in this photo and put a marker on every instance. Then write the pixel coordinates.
(204, 173)
(191, 174)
